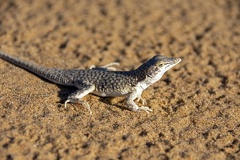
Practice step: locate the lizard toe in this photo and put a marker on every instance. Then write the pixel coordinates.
(146, 109)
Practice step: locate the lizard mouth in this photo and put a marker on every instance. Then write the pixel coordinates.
(173, 63)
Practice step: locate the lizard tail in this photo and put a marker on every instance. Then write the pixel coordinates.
(55, 75)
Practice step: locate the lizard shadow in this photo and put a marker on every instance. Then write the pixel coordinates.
(108, 101)
(64, 92)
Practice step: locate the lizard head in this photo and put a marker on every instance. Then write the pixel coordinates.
(159, 64)
(155, 67)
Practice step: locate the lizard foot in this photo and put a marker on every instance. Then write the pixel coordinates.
(143, 101)
(85, 104)
(146, 109)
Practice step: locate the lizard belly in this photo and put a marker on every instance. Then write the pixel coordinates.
(110, 94)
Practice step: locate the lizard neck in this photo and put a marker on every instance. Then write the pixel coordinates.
(140, 75)
(143, 73)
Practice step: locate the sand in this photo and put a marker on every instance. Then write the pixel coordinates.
(196, 105)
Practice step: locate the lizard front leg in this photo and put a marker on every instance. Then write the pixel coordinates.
(77, 95)
(132, 105)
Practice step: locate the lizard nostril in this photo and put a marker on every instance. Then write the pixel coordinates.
(177, 60)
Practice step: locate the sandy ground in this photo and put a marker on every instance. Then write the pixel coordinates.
(196, 105)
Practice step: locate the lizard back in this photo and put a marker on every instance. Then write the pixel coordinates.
(105, 81)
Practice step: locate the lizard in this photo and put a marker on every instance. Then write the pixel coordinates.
(103, 81)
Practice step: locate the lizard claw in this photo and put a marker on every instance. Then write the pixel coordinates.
(87, 106)
(146, 109)
(65, 103)
(143, 101)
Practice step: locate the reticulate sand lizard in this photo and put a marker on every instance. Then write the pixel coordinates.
(102, 81)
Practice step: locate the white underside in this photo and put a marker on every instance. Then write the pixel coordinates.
(149, 81)
(110, 94)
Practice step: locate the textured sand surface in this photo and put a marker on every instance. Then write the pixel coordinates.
(196, 105)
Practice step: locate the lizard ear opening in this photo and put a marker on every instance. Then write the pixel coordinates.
(152, 71)
(160, 64)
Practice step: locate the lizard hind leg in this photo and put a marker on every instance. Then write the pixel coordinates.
(107, 67)
(77, 95)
